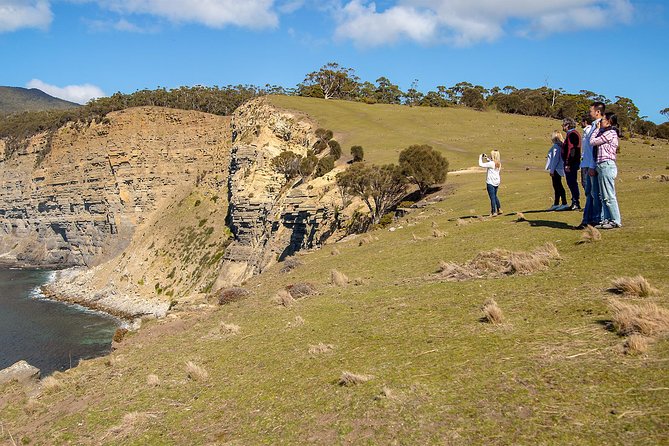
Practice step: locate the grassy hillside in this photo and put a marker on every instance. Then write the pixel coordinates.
(553, 373)
(16, 99)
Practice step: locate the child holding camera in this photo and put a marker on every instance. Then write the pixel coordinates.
(493, 165)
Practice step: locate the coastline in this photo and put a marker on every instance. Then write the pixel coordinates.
(70, 286)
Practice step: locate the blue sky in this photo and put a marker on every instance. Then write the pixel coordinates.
(78, 49)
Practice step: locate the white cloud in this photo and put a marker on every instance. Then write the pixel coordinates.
(18, 14)
(465, 22)
(212, 13)
(74, 93)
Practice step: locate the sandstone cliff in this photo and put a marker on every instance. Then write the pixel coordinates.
(269, 217)
(158, 207)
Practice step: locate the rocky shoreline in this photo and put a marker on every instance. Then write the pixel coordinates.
(70, 286)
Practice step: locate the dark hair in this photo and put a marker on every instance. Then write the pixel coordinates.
(613, 121)
(569, 123)
(599, 106)
(587, 119)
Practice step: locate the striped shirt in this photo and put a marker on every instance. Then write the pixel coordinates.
(606, 143)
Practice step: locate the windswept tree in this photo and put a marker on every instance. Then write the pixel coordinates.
(335, 149)
(379, 187)
(665, 112)
(325, 165)
(423, 166)
(308, 164)
(324, 136)
(358, 153)
(332, 81)
(387, 92)
(288, 164)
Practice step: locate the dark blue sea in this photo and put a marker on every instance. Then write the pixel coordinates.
(49, 335)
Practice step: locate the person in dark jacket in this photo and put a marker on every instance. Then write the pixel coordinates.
(571, 156)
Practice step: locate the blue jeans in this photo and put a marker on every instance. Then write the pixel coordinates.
(607, 171)
(592, 212)
(494, 201)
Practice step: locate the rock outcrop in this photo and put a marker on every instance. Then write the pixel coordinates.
(270, 217)
(21, 372)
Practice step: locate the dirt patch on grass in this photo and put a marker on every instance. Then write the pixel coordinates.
(498, 263)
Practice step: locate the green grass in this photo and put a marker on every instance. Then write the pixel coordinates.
(552, 374)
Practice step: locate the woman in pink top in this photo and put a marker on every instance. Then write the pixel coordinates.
(605, 141)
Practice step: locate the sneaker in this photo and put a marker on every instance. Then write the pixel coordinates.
(554, 207)
(564, 207)
(575, 207)
(602, 223)
(499, 212)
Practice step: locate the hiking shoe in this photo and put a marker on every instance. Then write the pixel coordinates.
(575, 207)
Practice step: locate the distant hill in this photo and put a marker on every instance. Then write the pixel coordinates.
(17, 99)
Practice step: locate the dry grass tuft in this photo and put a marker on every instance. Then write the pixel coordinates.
(32, 406)
(337, 278)
(436, 233)
(434, 225)
(152, 380)
(634, 286)
(297, 322)
(130, 422)
(301, 290)
(590, 235)
(229, 329)
(492, 313)
(290, 264)
(348, 379)
(320, 349)
(499, 263)
(283, 298)
(636, 345)
(520, 217)
(461, 222)
(50, 384)
(229, 295)
(196, 372)
(645, 319)
(335, 252)
(366, 240)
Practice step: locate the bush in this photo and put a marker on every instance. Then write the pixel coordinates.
(234, 294)
(335, 149)
(324, 134)
(287, 163)
(308, 164)
(357, 153)
(424, 166)
(325, 165)
(319, 146)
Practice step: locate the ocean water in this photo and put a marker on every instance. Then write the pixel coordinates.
(49, 335)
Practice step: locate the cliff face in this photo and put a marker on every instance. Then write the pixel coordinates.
(80, 203)
(270, 217)
(158, 207)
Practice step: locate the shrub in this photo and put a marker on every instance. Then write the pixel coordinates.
(301, 289)
(287, 163)
(358, 154)
(325, 165)
(319, 146)
(335, 149)
(424, 166)
(290, 264)
(119, 334)
(234, 294)
(324, 134)
(196, 372)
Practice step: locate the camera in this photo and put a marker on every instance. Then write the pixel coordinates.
(483, 155)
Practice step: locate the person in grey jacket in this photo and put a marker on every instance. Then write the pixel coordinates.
(555, 167)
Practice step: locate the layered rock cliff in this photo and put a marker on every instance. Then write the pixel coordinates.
(159, 207)
(76, 197)
(270, 217)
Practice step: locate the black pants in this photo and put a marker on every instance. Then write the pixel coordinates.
(572, 182)
(560, 193)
